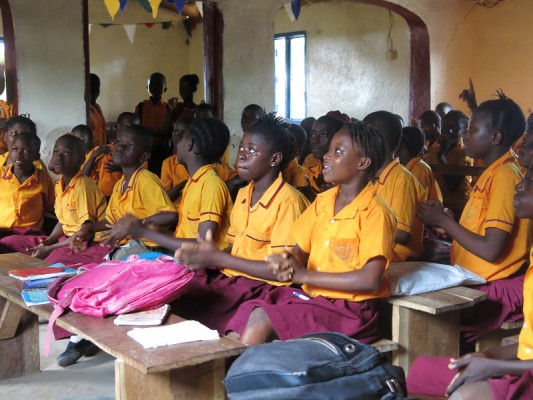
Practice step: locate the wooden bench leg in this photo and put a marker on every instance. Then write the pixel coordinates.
(197, 382)
(418, 333)
(19, 341)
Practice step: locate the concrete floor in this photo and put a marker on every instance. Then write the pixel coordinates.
(90, 378)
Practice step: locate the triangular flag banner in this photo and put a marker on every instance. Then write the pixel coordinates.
(179, 4)
(296, 5)
(130, 31)
(112, 7)
(288, 8)
(90, 26)
(166, 25)
(105, 25)
(149, 24)
(145, 5)
(123, 4)
(155, 7)
(200, 7)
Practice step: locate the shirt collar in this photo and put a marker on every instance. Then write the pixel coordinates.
(412, 162)
(483, 180)
(8, 174)
(387, 171)
(360, 203)
(201, 171)
(268, 197)
(133, 179)
(72, 181)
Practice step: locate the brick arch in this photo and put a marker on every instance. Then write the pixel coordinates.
(420, 78)
(10, 61)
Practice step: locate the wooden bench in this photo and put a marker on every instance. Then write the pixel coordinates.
(385, 345)
(185, 371)
(494, 339)
(428, 324)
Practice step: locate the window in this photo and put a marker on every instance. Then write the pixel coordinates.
(289, 75)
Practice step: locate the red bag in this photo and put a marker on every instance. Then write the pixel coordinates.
(117, 287)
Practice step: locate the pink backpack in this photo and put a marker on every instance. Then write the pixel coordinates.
(117, 287)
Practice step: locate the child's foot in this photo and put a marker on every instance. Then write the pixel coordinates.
(75, 351)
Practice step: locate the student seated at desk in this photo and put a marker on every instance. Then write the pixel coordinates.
(260, 221)
(27, 191)
(489, 239)
(502, 373)
(399, 188)
(77, 200)
(343, 246)
(138, 192)
(205, 203)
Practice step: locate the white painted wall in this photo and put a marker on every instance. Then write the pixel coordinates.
(124, 68)
(347, 68)
(50, 66)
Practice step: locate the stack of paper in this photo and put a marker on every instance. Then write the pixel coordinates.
(182, 332)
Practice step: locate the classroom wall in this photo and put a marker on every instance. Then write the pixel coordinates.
(346, 58)
(50, 66)
(124, 67)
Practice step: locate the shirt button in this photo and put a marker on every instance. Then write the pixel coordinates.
(528, 350)
(525, 324)
(332, 221)
(313, 293)
(326, 243)
(318, 268)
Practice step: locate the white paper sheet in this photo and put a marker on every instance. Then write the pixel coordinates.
(182, 332)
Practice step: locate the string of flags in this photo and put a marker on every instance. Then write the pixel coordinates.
(151, 6)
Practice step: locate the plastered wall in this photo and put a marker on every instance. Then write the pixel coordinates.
(124, 67)
(346, 60)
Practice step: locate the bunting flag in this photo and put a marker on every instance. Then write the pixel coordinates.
(166, 25)
(123, 4)
(146, 5)
(149, 24)
(288, 8)
(130, 31)
(200, 7)
(155, 7)
(112, 7)
(296, 6)
(179, 4)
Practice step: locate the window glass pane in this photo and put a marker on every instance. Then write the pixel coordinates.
(280, 76)
(297, 78)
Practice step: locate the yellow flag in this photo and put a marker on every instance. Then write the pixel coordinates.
(112, 7)
(155, 6)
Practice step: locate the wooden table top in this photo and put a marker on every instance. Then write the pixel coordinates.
(111, 338)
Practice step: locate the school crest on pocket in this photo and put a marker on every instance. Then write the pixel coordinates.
(345, 249)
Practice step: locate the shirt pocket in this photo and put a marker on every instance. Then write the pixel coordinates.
(347, 250)
(471, 218)
(259, 241)
(31, 207)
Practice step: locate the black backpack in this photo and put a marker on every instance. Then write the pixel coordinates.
(316, 366)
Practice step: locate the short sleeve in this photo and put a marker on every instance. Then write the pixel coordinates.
(378, 240)
(289, 212)
(153, 195)
(501, 213)
(404, 203)
(214, 200)
(302, 229)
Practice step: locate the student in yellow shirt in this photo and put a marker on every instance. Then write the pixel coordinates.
(27, 191)
(399, 188)
(77, 201)
(138, 192)
(343, 247)
(489, 239)
(498, 373)
(260, 218)
(294, 173)
(205, 204)
(410, 154)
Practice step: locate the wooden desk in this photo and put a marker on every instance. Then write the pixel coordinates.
(428, 324)
(185, 371)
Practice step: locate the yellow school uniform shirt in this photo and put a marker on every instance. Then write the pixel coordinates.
(79, 202)
(402, 192)
(422, 172)
(525, 341)
(313, 171)
(143, 197)
(455, 156)
(263, 229)
(24, 204)
(310, 161)
(224, 171)
(6, 112)
(173, 173)
(97, 124)
(491, 206)
(205, 197)
(345, 241)
(294, 174)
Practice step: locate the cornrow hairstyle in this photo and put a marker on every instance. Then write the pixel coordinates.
(274, 131)
(75, 143)
(211, 138)
(388, 124)
(431, 117)
(333, 124)
(413, 140)
(33, 140)
(372, 144)
(461, 117)
(192, 79)
(23, 120)
(505, 116)
(143, 136)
